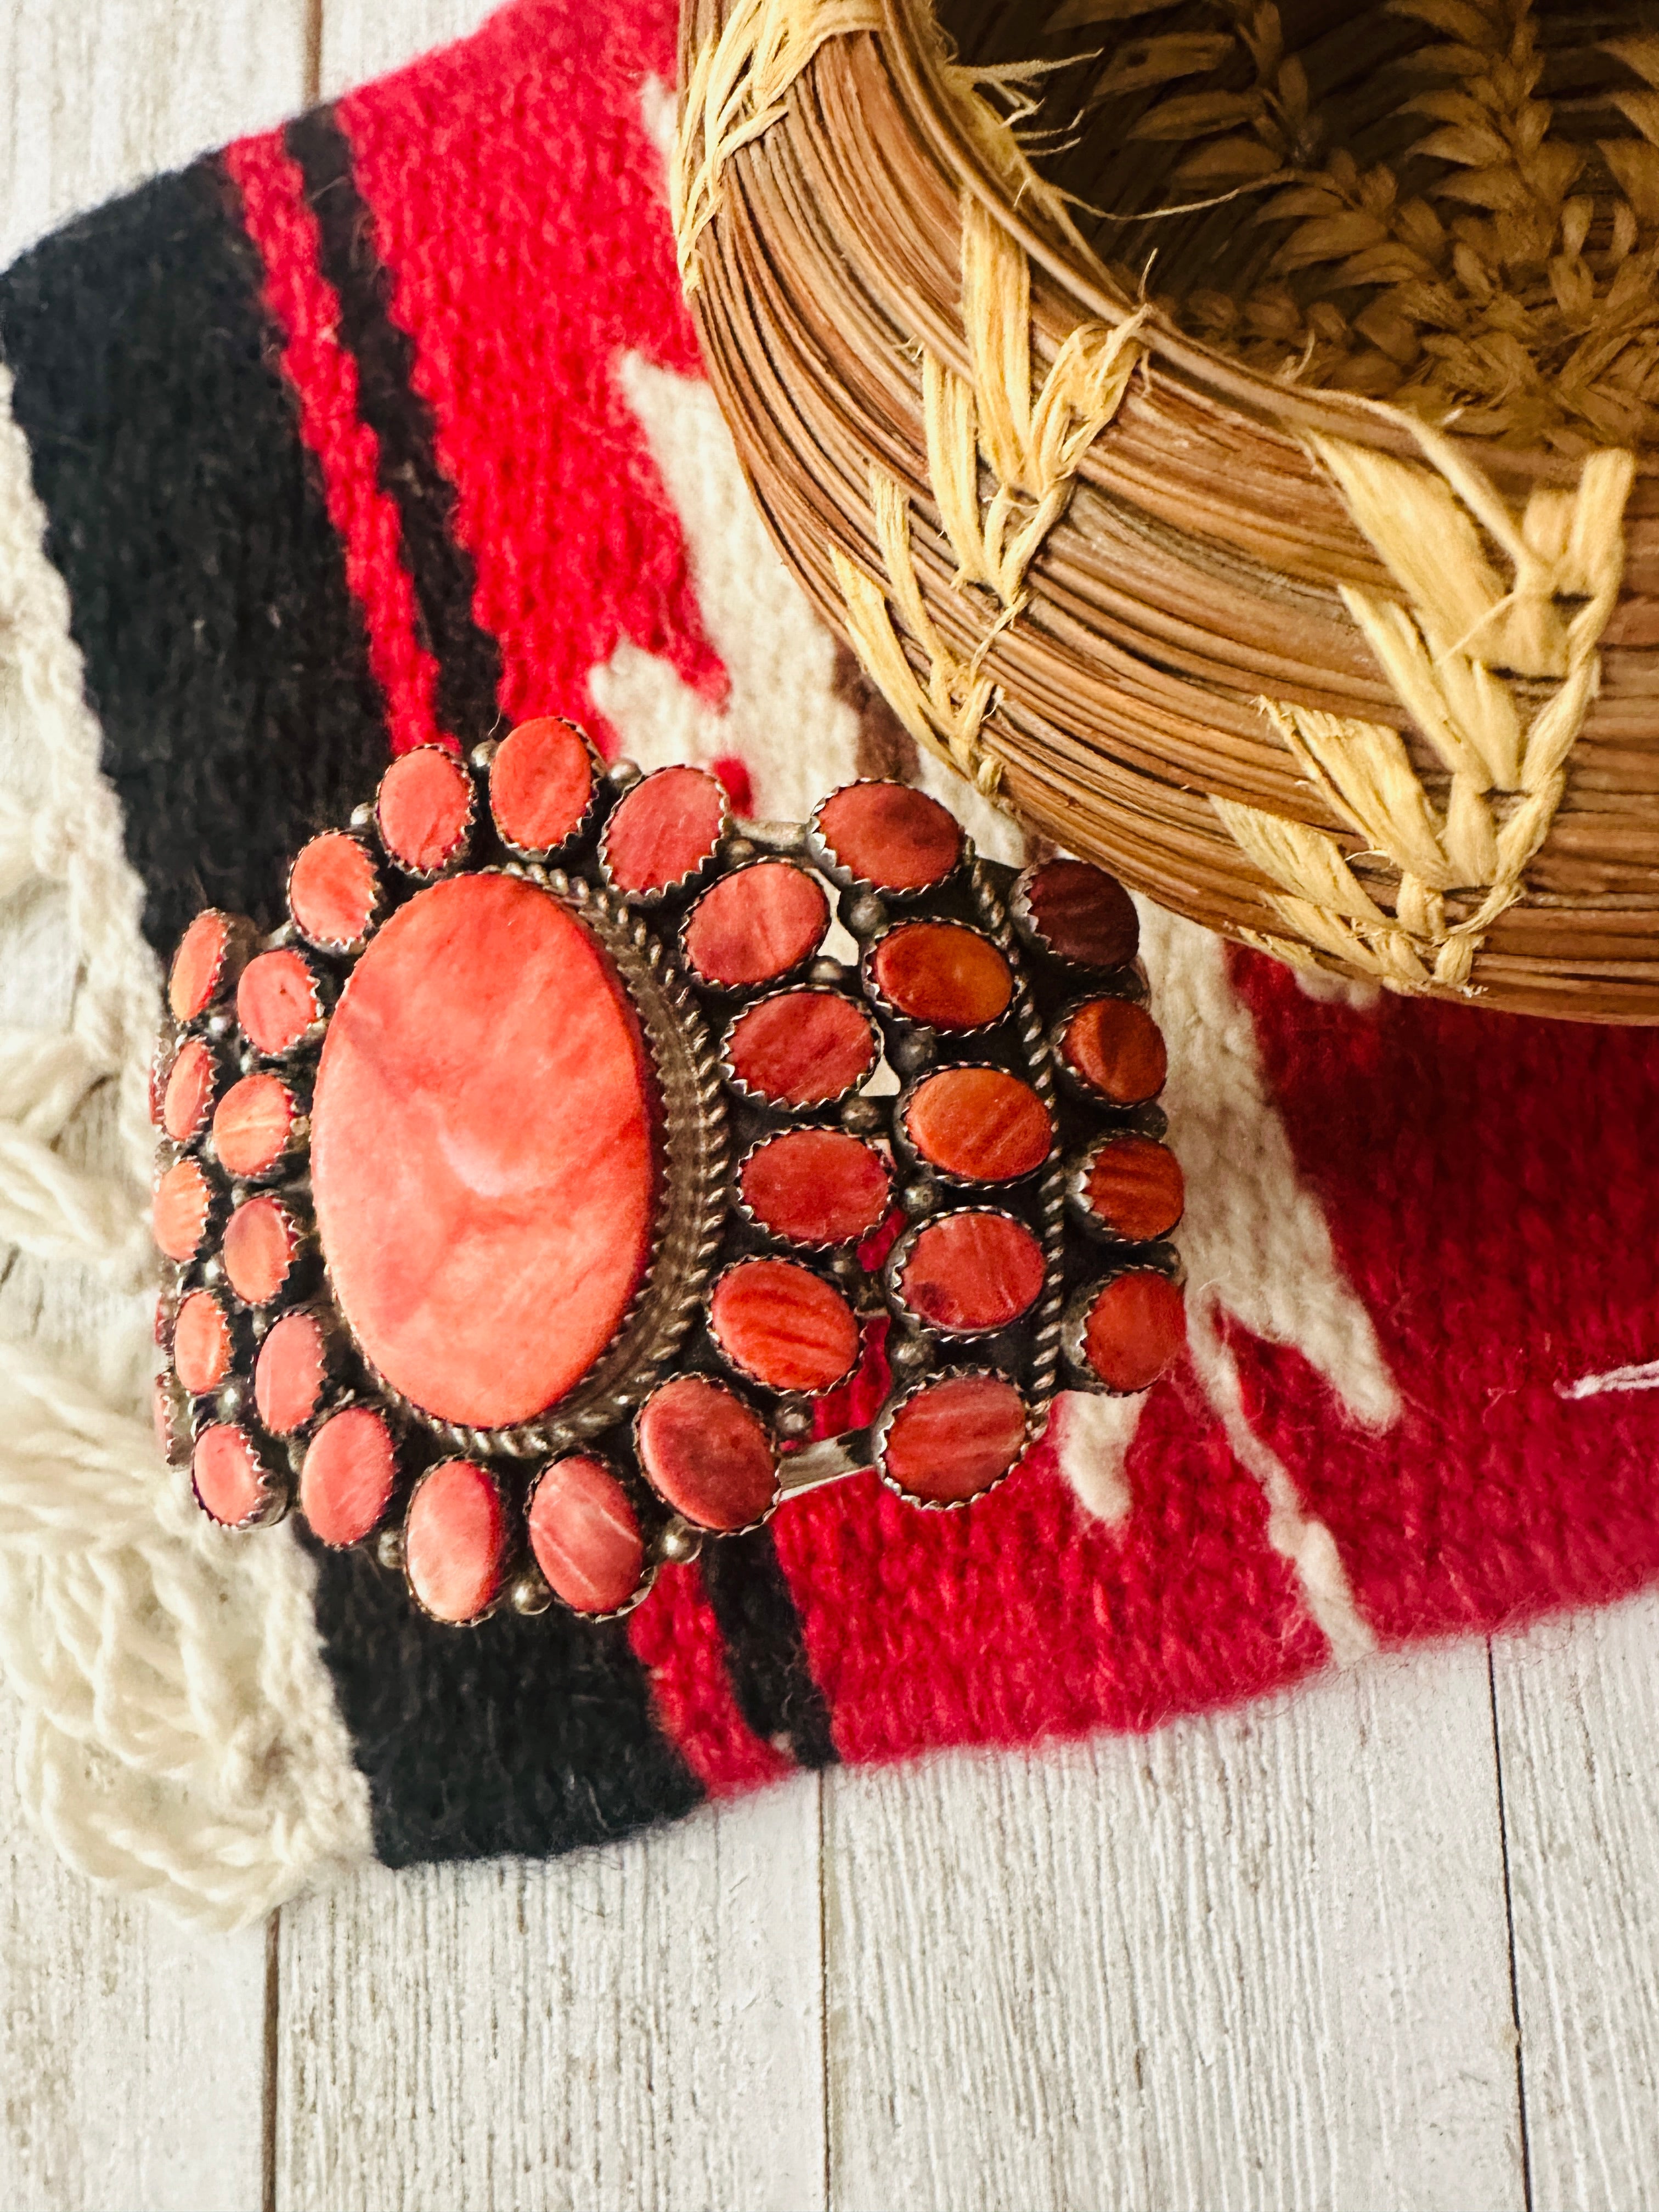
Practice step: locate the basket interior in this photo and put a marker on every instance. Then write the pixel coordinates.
(1449, 204)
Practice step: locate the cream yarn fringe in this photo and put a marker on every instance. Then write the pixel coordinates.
(180, 1734)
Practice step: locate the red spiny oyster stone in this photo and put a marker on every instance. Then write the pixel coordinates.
(541, 784)
(802, 1047)
(455, 1541)
(261, 1240)
(781, 1324)
(289, 1373)
(201, 970)
(663, 829)
(586, 1535)
(333, 889)
(347, 1475)
(1135, 1330)
(229, 1480)
(189, 1093)
(816, 1186)
(708, 1453)
(952, 1439)
(979, 1123)
(1133, 1188)
(482, 1151)
(939, 973)
(891, 835)
(1117, 1048)
(1081, 913)
(277, 1000)
(178, 1211)
(973, 1270)
(201, 1343)
(755, 925)
(424, 810)
(252, 1124)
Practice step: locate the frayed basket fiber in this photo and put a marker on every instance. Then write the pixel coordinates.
(1227, 432)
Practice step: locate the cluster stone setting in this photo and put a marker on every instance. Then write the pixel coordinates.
(579, 1171)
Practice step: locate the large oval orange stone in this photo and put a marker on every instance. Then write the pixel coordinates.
(1135, 1330)
(939, 973)
(979, 1123)
(482, 1151)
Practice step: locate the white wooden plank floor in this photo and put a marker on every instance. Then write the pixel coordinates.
(1389, 1942)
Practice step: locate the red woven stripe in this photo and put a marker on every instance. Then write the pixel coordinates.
(676, 1636)
(1023, 1618)
(323, 376)
(519, 214)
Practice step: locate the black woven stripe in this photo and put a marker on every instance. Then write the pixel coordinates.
(468, 657)
(226, 658)
(765, 1648)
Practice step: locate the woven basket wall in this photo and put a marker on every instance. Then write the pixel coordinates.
(1295, 555)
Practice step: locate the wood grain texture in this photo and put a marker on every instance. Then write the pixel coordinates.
(95, 97)
(360, 42)
(131, 2053)
(636, 2027)
(1576, 1702)
(1257, 1960)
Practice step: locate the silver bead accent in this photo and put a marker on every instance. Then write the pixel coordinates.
(862, 1117)
(389, 1549)
(921, 1196)
(914, 1051)
(830, 972)
(909, 1354)
(483, 754)
(221, 1025)
(865, 916)
(679, 1543)
(529, 1593)
(792, 1420)
(362, 817)
(624, 773)
(737, 850)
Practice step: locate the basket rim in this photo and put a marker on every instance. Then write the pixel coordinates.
(1299, 411)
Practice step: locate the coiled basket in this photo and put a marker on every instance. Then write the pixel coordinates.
(1227, 434)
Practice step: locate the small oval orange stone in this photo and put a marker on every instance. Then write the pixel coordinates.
(1135, 1188)
(260, 1244)
(973, 1270)
(253, 1124)
(663, 829)
(816, 1186)
(332, 890)
(347, 1477)
(541, 784)
(755, 925)
(783, 1325)
(178, 1211)
(201, 1343)
(455, 1541)
(1116, 1046)
(189, 1094)
(1135, 1330)
(228, 1479)
(955, 1438)
(277, 1000)
(891, 835)
(802, 1047)
(585, 1535)
(198, 973)
(708, 1453)
(979, 1123)
(288, 1373)
(424, 809)
(939, 973)
(1082, 914)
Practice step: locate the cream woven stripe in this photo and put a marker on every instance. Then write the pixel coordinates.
(1449, 659)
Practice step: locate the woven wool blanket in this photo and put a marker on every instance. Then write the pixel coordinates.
(390, 427)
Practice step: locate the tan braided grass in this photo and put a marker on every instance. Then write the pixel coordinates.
(1329, 618)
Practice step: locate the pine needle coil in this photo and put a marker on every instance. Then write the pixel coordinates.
(1360, 671)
